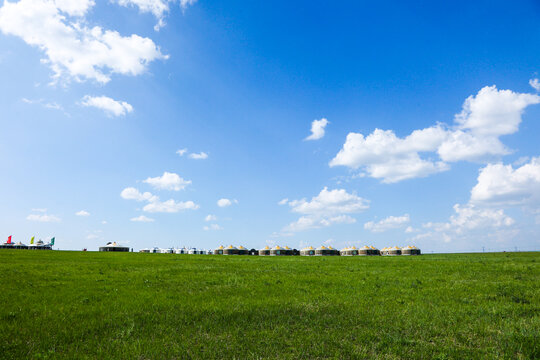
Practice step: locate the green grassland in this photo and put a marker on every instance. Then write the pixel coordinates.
(80, 305)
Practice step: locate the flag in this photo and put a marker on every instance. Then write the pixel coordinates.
(32, 240)
(52, 241)
(9, 239)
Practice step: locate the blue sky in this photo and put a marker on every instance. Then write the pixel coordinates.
(430, 137)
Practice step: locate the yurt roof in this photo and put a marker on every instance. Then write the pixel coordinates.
(277, 247)
(230, 247)
(266, 248)
(321, 248)
(241, 247)
(20, 243)
(287, 248)
(373, 247)
(345, 249)
(220, 247)
(354, 248)
(308, 248)
(365, 247)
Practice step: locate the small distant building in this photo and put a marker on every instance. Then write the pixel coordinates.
(279, 251)
(209, 252)
(112, 246)
(410, 250)
(391, 251)
(242, 250)
(230, 250)
(219, 250)
(326, 251)
(253, 252)
(349, 251)
(146, 250)
(264, 251)
(307, 251)
(20, 246)
(40, 245)
(374, 251)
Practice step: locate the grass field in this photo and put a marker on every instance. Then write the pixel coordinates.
(154, 306)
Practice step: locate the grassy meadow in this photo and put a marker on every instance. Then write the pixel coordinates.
(57, 304)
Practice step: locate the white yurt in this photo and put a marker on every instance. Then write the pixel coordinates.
(410, 250)
(307, 251)
(230, 250)
(219, 250)
(264, 251)
(111, 246)
(242, 250)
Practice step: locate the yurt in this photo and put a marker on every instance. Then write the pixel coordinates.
(230, 250)
(363, 251)
(349, 251)
(146, 250)
(288, 251)
(410, 250)
(167, 251)
(242, 250)
(209, 252)
(20, 246)
(279, 251)
(325, 251)
(253, 252)
(264, 251)
(374, 251)
(394, 251)
(40, 245)
(111, 246)
(219, 250)
(384, 251)
(192, 251)
(307, 251)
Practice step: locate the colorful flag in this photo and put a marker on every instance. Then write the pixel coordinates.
(52, 241)
(32, 240)
(9, 239)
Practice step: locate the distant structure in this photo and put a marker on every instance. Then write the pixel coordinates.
(307, 251)
(39, 245)
(242, 250)
(349, 251)
(219, 250)
(326, 251)
(230, 250)
(279, 251)
(410, 250)
(264, 251)
(113, 246)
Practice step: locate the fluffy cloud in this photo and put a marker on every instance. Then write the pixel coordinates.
(210, 217)
(82, 213)
(43, 218)
(470, 217)
(500, 184)
(158, 8)
(141, 218)
(181, 152)
(317, 129)
(283, 201)
(226, 202)
(168, 181)
(154, 204)
(212, 227)
(72, 49)
(131, 193)
(327, 208)
(110, 106)
(535, 84)
(169, 206)
(199, 156)
(391, 222)
(473, 137)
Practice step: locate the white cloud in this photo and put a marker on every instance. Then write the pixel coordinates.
(199, 156)
(181, 152)
(317, 129)
(43, 218)
(226, 202)
(42, 210)
(474, 137)
(535, 84)
(391, 222)
(131, 193)
(110, 106)
(168, 181)
(154, 204)
(82, 213)
(158, 8)
(72, 48)
(327, 208)
(410, 229)
(142, 218)
(283, 201)
(500, 184)
(385, 156)
(51, 105)
(210, 217)
(169, 206)
(470, 217)
(212, 227)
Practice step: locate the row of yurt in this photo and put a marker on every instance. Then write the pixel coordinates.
(38, 245)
